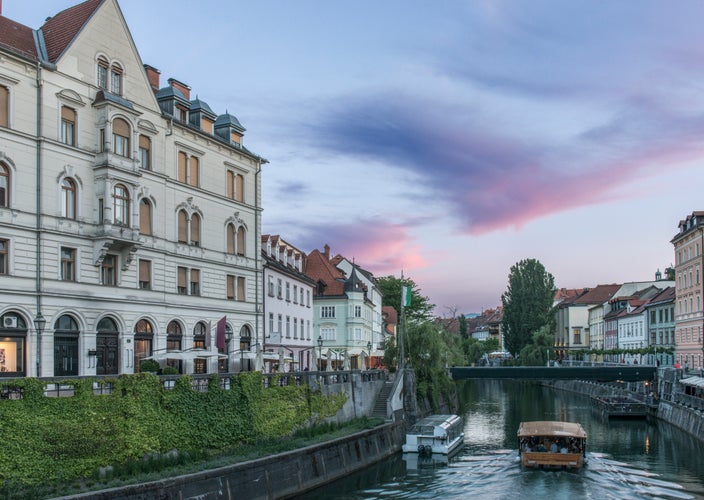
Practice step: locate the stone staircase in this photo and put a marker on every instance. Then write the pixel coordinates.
(380, 403)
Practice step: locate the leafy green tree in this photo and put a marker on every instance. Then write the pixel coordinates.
(537, 352)
(390, 286)
(527, 303)
(463, 326)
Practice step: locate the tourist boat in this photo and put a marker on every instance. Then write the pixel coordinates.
(550, 444)
(441, 434)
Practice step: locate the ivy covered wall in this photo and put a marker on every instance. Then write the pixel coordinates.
(46, 439)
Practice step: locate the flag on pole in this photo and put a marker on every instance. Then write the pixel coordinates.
(405, 296)
(220, 333)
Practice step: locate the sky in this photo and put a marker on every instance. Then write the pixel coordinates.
(450, 140)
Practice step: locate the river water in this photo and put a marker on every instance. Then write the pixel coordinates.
(626, 459)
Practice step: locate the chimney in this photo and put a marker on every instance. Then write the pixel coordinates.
(326, 251)
(185, 89)
(152, 76)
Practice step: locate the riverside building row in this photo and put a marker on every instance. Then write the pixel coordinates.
(648, 318)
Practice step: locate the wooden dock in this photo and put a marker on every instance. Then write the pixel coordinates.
(619, 407)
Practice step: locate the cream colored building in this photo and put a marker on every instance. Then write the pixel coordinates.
(129, 213)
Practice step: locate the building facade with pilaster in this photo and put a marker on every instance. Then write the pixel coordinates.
(129, 212)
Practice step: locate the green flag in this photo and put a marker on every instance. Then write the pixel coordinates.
(405, 296)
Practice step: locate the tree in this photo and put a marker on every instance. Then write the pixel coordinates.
(537, 353)
(390, 287)
(463, 326)
(527, 303)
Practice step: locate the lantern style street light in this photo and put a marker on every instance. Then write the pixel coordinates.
(39, 324)
(320, 351)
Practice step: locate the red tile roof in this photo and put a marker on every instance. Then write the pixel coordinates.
(17, 37)
(60, 30)
(320, 268)
(598, 295)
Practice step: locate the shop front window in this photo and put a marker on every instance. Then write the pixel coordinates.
(13, 338)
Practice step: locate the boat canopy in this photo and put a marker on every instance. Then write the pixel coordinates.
(551, 428)
(693, 381)
(428, 425)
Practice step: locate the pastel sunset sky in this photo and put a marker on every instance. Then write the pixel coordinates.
(452, 139)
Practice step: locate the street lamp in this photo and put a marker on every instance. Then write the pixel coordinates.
(39, 324)
(369, 352)
(320, 351)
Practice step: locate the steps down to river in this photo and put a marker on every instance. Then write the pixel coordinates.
(380, 408)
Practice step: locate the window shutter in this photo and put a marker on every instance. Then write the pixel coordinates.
(195, 229)
(230, 185)
(4, 106)
(68, 114)
(230, 238)
(144, 270)
(120, 127)
(240, 241)
(182, 281)
(239, 193)
(230, 287)
(240, 288)
(182, 159)
(193, 179)
(145, 217)
(182, 227)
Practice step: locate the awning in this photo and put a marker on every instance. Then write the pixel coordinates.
(693, 381)
(186, 355)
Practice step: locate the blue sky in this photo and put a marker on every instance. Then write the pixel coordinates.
(452, 139)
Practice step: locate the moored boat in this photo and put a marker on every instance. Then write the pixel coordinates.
(441, 434)
(551, 444)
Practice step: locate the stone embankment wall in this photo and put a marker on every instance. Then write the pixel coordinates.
(670, 406)
(277, 476)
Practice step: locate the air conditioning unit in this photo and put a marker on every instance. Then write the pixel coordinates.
(9, 322)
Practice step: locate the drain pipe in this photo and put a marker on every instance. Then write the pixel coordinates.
(257, 253)
(39, 320)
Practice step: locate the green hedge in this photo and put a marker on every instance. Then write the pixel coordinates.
(49, 440)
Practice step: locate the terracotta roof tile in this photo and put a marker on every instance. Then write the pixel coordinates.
(60, 30)
(320, 269)
(17, 37)
(598, 295)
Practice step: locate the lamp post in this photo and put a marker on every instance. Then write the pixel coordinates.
(369, 357)
(39, 324)
(320, 351)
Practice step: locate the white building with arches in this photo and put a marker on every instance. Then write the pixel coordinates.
(129, 213)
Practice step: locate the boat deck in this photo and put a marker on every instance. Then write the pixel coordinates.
(619, 407)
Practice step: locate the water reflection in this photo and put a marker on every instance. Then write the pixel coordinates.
(625, 459)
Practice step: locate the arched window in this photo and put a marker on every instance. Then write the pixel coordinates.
(106, 345)
(102, 76)
(13, 330)
(230, 239)
(68, 199)
(240, 240)
(121, 137)
(199, 342)
(182, 226)
(65, 346)
(145, 217)
(143, 337)
(116, 79)
(121, 205)
(195, 230)
(4, 185)
(174, 342)
(68, 125)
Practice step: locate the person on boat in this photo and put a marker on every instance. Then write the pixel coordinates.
(553, 447)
